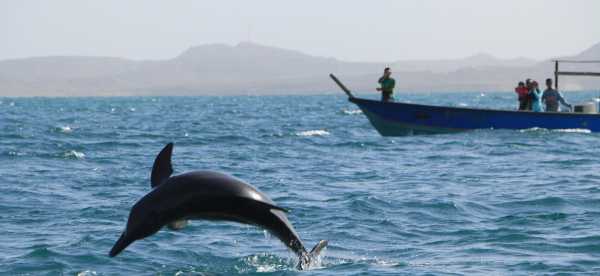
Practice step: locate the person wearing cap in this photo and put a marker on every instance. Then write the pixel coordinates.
(552, 98)
(536, 97)
(387, 85)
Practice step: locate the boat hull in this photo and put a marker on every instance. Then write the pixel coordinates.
(397, 118)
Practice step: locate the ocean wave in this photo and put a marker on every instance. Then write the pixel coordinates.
(40, 251)
(532, 204)
(74, 154)
(65, 129)
(489, 204)
(319, 132)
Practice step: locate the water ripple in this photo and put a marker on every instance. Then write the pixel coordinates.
(488, 202)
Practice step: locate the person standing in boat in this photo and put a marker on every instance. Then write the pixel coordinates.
(523, 93)
(536, 97)
(387, 85)
(552, 98)
(528, 85)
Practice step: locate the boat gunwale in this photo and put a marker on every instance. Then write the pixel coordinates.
(543, 113)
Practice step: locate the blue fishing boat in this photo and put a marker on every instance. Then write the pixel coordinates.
(398, 118)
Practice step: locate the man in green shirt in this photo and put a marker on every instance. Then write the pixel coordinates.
(387, 85)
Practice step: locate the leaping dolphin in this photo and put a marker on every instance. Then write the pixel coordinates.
(207, 195)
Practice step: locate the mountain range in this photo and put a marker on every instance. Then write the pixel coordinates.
(250, 68)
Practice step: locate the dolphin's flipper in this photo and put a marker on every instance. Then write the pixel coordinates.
(162, 169)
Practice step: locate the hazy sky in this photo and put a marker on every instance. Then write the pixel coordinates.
(349, 30)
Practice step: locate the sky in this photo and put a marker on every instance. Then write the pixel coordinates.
(349, 30)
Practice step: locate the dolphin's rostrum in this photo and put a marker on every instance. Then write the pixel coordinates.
(206, 195)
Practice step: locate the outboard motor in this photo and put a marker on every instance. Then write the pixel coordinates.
(590, 107)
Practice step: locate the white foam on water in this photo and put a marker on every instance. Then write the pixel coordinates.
(573, 130)
(462, 104)
(75, 154)
(266, 268)
(533, 129)
(65, 129)
(386, 263)
(87, 273)
(15, 153)
(565, 130)
(318, 132)
(132, 109)
(264, 263)
(353, 112)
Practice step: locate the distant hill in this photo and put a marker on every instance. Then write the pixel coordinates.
(249, 68)
(592, 53)
(448, 65)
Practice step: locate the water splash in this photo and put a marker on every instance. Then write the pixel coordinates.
(352, 111)
(264, 263)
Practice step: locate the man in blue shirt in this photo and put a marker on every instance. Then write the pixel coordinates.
(552, 97)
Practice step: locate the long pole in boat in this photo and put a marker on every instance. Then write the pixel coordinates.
(556, 75)
(342, 86)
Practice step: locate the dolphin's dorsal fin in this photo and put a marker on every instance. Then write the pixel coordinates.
(162, 169)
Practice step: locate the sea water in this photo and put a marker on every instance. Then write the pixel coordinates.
(485, 202)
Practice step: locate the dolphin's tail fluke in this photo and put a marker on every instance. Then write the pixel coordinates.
(310, 259)
(316, 250)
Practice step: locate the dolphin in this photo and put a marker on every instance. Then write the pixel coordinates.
(207, 195)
